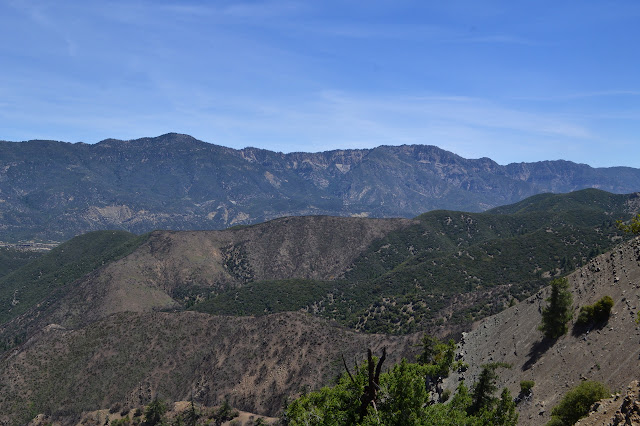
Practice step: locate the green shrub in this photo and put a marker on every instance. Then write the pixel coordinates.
(597, 313)
(121, 422)
(632, 227)
(224, 413)
(526, 387)
(576, 403)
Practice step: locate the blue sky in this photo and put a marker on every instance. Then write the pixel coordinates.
(510, 80)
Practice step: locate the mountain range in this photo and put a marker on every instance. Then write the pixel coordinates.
(55, 190)
(117, 327)
(251, 277)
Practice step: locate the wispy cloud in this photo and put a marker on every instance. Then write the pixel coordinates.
(582, 95)
(252, 73)
(498, 39)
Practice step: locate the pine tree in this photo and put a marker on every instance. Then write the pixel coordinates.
(558, 313)
(483, 390)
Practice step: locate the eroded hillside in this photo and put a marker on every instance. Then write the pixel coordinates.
(608, 354)
(438, 272)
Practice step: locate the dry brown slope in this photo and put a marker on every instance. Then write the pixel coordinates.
(316, 247)
(609, 355)
(131, 357)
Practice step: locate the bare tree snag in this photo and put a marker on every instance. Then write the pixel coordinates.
(347, 368)
(370, 393)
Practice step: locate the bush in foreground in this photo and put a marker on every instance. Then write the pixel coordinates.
(577, 402)
(404, 398)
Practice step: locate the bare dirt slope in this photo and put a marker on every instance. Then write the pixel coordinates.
(314, 247)
(175, 410)
(129, 358)
(609, 354)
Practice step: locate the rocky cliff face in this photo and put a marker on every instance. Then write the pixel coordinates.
(55, 190)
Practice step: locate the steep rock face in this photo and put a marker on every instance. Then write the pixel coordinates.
(55, 190)
(608, 354)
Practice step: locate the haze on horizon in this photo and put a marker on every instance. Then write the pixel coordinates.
(510, 81)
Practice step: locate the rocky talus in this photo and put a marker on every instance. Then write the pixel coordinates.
(608, 353)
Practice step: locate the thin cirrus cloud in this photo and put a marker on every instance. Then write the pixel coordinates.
(295, 76)
(332, 119)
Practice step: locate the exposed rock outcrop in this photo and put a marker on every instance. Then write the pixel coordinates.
(619, 410)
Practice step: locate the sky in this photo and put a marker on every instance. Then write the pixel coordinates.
(510, 80)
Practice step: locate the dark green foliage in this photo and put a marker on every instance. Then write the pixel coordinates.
(403, 281)
(438, 354)
(577, 402)
(505, 412)
(404, 400)
(482, 395)
(429, 349)
(266, 297)
(558, 312)
(125, 421)
(154, 412)
(595, 314)
(12, 259)
(526, 387)
(632, 227)
(224, 413)
(191, 416)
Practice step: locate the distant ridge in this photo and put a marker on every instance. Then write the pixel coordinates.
(441, 271)
(56, 190)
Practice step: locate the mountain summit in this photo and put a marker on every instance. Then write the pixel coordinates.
(55, 190)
